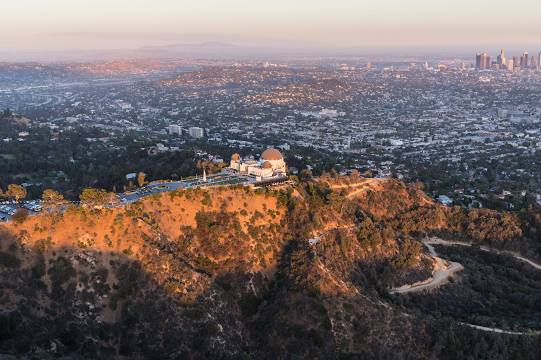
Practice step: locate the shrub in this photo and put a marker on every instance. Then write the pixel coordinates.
(9, 260)
(20, 216)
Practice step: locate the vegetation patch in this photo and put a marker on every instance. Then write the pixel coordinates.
(493, 291)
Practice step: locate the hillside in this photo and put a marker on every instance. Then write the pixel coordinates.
(302, 272)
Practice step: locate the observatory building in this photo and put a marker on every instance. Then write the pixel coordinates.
(270, 166)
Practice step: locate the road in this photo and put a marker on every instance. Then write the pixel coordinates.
(438, 241)
(501, 331)
(443, 270)
(441, 276)
(215, 180)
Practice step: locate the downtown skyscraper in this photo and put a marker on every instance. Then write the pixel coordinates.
(482, 61)
(524, 62)
(502, 61)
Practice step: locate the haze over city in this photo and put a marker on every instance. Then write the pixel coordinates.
(455, 26)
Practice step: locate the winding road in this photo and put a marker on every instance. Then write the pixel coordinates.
(438, 241)
(441, 275)
(443, 269)
(501, 331)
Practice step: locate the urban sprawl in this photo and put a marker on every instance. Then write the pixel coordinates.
(469, 131)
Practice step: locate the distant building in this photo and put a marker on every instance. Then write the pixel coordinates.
(503, 113)
(196, 132)
(482, 61)
(445, 200)
(285, 147)
(161, 147)
(502, 61)
(510, 64)
(396, 142)
(174, 130)
(329, 113)
(524, 60)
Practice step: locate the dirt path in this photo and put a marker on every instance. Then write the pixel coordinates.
(501, 331)
(441, 275)
(359, 187)
(357, 192)
(443, 270)
(315, 239)
(438, 241)
(347, 186)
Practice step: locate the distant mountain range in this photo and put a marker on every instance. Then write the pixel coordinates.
(214, 48)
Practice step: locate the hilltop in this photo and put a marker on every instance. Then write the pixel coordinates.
(301, 272)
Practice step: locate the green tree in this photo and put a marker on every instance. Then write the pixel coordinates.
(96, 197)
(16, 192)
(52, 199)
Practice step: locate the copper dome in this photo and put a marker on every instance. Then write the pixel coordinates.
(271, 154)
(267, 165)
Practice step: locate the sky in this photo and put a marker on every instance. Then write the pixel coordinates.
(126, 24)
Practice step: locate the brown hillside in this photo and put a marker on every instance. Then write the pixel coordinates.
(227, 272)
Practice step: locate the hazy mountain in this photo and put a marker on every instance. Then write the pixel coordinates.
(213, 49)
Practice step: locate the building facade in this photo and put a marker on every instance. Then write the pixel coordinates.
(196, 132)
(270, 165)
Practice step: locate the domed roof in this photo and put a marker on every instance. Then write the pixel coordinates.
(267, 165)
(272, 154)
(235, 157)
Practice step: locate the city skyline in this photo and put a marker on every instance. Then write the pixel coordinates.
(484, 61)
(119, 24)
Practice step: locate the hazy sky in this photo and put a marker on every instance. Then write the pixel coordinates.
(85, 24)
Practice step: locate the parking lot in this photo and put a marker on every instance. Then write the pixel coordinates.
(8, 208)
(220, 179)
